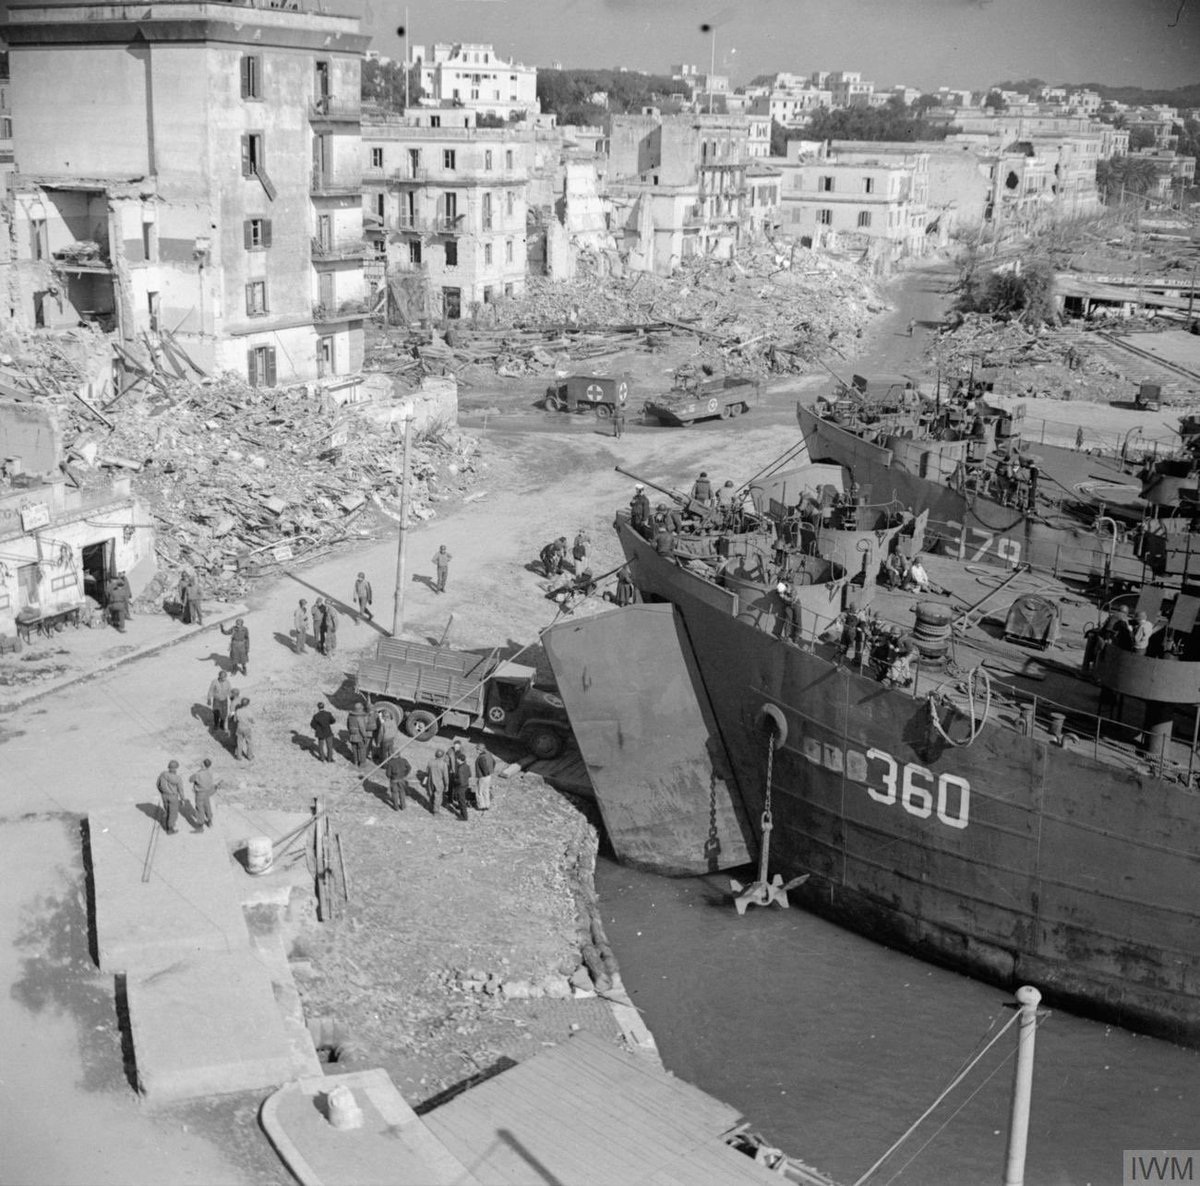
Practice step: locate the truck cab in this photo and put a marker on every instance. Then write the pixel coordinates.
(514, 708)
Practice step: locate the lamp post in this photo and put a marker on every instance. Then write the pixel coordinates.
(398, 608)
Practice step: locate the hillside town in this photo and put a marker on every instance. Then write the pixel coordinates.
(304, 563)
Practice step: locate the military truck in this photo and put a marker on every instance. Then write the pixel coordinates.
(415, 684)
(699, 394)
(601, 394)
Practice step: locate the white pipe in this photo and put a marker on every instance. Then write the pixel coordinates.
(1018, 1128)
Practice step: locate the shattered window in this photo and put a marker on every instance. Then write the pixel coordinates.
(256, 298)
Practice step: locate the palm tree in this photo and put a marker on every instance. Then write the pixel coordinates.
(1126, 176)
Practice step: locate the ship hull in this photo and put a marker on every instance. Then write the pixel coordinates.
(1001, 856)
(973, 528)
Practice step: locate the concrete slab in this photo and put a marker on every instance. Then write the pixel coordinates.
(208, 1026)
(236, 823)
(288, 1005)
(186, 905)
(392, 1148)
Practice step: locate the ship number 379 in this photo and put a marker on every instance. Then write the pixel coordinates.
(916, 789)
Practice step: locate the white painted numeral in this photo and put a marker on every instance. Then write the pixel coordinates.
(889, 778)
(945, 783)
(917, 799)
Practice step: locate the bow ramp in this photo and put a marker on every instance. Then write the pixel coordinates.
(647, 732)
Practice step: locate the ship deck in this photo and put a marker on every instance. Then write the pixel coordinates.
(1048, 679)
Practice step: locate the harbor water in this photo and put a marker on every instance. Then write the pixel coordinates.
(832, 1046)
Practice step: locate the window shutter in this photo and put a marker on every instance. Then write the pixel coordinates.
(251, 368)
(249, 300)
(270, 366)
(247, 240)
(245, 78)
(246, 155)
(266, 232)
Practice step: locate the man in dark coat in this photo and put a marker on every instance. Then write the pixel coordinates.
(460, 778)
(702, 490)
(639, 511)
(357, 727)
(330, 629)
(626, 590)
(484, 765)
(437, 780)
(119, 598)
(322, 726)
(398, 769)
(318, 623)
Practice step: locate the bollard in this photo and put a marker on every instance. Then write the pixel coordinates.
(1057, 720)
(1018, 1127)
(1026, 723)
(342, 1108)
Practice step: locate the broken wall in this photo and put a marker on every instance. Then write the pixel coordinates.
(30, 434)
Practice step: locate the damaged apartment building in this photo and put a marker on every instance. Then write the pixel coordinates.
(445, 210)
(191, 173)
(686, 185)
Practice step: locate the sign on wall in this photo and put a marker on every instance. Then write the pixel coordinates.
(35, 515)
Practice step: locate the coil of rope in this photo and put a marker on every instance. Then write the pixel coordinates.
(976, 673)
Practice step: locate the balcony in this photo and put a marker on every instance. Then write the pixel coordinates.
(410, 175)
(430, 224)
(342, 250)
(331, 185)
(343, 311)
(330, 109)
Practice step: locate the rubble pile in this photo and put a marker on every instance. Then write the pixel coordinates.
(238, 479)
(764, 311)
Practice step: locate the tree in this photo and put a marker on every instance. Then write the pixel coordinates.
(922, 103)
(1125, 176)
(996, 101)
(384, 82)
(779, 138)
(1028, 292)
(1141, 137)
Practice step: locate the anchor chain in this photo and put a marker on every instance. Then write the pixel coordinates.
(764, 892)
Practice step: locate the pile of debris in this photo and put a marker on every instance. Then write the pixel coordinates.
(765, 311)
(241, 479)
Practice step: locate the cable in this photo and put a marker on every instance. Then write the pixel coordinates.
(942, 1095)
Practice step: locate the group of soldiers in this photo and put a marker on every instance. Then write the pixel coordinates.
(324, 624)
(373, 735)
(864, 640)
(173, 794)
(228, 708)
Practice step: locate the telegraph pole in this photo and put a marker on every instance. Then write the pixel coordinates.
(398, 610)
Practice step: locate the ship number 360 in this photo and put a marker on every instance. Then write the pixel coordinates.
(918, 790)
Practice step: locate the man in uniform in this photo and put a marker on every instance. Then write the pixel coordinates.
(362, 597)
(702, 489)
(618, 420)
(626, 590)
(460, 778)
(484, 765)
(118, 601)
(437, 779)
(790, 616)
(203, 788)
(300, 626)
(331, 629)
(356, 726)
(441, 562)
(318, 624)
(639, 511)
(170, 787)
(386, 736)
(398, 768)
(239, 645)
(220, 695)
(322, 726)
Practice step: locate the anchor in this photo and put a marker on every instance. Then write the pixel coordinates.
(763, 892)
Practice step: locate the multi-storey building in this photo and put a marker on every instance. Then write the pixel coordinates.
(449, 203)
(792, 105)
(849, 89)
(473, 75)
(193, 170)
(854, 197)
(6, 126)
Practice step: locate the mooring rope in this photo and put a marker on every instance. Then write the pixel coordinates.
(979, 672)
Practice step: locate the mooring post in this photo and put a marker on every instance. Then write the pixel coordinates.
(1018, 1126)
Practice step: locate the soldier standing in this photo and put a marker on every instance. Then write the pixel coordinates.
(118, 601)
(203, 788)
(220, 695)
(322, 726)
(397, 772)
(437, 778)
(300, 626)
(362, 596)
(356, 725)
(619, 421)
(484, 765)
(441, 562)
(460, 778)
(639, 511)
(170, 787)
(239, 645)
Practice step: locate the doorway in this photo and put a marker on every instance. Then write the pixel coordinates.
(452, 303)
(99, 567)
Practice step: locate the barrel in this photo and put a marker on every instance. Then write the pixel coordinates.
(259, 854)
(931, 634)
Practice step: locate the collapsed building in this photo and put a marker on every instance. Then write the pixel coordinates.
(189, 179)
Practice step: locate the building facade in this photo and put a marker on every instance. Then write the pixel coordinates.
(193, 170)
(448, 206)
(473, 75)
(856, 198)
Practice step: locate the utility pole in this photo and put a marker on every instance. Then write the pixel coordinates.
(398, 610)
(712, 65)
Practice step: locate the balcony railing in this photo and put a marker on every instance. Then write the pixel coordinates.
(430, 223)
(336, 183)
(347, 249)
(343, 311)
(332, 107)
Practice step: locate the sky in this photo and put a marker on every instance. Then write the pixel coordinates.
(921, 43)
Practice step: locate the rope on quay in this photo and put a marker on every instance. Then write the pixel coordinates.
(908, 1132)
